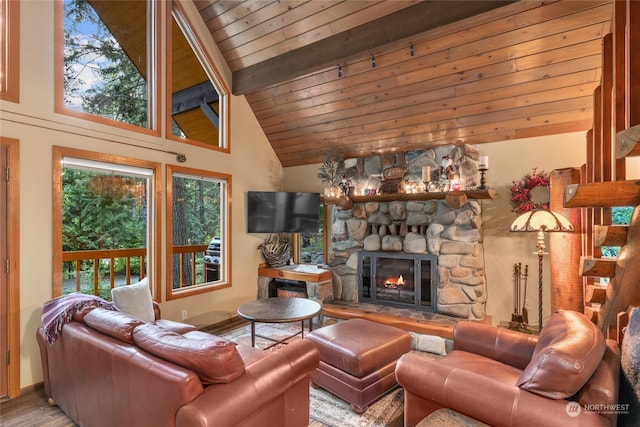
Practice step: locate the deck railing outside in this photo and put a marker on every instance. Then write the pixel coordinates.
(194, 253)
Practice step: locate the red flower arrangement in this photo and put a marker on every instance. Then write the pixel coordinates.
(520, 191)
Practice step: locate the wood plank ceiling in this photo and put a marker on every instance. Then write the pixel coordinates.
(458, 74)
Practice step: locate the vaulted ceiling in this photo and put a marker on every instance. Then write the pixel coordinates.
(367, 77)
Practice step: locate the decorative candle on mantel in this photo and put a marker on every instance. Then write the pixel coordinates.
(484, 162)
(426, 174)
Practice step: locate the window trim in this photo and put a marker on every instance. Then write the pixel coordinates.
(178, 13)
(10, 31)
(154, 227)
(155, 76)
(295, 238)
(225, 243)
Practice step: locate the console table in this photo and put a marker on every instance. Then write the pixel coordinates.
(318, 280)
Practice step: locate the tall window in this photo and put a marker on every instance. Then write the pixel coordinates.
(198, 100)
(198, 245)
(107, 64)
(309, 248)
(9, 47)
(106, 220)
(106, 70)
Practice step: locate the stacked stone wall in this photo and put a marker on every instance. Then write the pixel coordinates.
(416, 227)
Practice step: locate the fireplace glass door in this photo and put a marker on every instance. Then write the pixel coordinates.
(398, 279)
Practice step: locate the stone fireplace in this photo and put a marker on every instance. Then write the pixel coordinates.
(425, 225)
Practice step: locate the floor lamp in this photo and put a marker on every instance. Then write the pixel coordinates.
(541, 220)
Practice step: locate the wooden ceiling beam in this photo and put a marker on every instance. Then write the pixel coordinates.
(400, 25)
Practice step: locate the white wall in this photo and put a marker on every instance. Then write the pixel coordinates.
(509, 161)
(252, 164)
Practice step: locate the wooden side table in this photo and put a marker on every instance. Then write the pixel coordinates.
(319, 283)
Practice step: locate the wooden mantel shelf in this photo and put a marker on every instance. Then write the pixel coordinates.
(346, 202)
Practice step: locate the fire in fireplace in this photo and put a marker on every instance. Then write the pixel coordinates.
(398, 279)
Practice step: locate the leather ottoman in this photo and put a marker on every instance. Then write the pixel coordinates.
(358, 359)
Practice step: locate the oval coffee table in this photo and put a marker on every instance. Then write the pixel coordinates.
(279, 310)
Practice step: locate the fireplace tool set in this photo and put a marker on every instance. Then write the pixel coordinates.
(520, 316)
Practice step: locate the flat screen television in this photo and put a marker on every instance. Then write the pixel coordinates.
(283, 212)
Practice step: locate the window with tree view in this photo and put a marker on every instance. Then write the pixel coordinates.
(619, 216)
(106, 67)
(197, 233)
(105, 222)
(311, 245)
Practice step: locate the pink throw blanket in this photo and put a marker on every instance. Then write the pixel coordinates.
(58, 311)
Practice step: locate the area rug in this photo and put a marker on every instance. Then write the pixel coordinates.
(335, 412)
(325, 407)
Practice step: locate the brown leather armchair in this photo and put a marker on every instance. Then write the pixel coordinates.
(568, 376)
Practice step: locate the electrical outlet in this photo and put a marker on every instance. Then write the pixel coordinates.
(184, 314)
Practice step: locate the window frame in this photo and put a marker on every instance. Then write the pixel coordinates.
(153, 221)
(296, 245)
(225, 231)
(10, 57)
(153, 53)
(178, 13)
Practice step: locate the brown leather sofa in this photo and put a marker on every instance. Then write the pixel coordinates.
(568, 376)
(98, 373)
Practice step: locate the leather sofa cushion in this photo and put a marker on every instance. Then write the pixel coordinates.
(177, 327)
(602, 387)
(116, 324)
(569, 349)
(213, 359)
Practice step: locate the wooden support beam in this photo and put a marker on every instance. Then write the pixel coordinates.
(363, 40)
(596, 294)
(592, 313)
(619, 85)
(602, 194)
(567, 290)
(633, 51)
(607, 108)
(628, 142)
(597, 267)
(610, 235)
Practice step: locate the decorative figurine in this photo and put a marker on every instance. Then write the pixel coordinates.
(344, 185)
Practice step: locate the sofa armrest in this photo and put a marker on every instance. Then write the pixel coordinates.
(437, 385)
(510, 347)
(157, 313)
(263, 381)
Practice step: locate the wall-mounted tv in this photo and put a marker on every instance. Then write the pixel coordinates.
(283, 212)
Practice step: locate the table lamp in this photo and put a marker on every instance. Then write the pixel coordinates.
(541, 220)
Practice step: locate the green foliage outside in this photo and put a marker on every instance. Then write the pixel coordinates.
(99, 77)
(102, 212)
(619, 216)
(196, 219)
(312, 244)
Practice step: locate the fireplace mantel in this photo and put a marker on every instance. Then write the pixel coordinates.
(345, 202)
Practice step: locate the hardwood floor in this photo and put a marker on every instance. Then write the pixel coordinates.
(33, 409)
